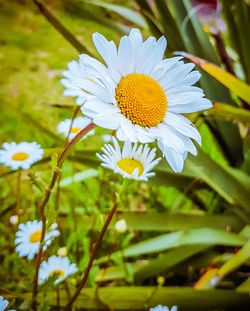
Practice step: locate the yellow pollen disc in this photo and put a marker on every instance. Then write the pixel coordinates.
(141, 99)
(36, 236)
(75, 130)
(20, 156)
(57, 271)
(129, 165)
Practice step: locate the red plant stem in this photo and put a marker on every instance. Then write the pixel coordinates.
(93, 254)
(226, 60)
(19, 174)
(44, 202)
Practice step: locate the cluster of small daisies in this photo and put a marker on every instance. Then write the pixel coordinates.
(28, 242)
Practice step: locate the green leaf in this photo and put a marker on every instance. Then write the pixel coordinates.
(230, 113)
(163, 242)
(203, 39)
(166, 261)
(171, 31)
(244, 287)
(144, 297)
(235, 85)
(163, 221)
(219, 179)
(237, 260)
(59, 27)
(122, 11)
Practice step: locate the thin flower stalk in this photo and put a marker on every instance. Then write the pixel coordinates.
(96, 246)
(46, 198)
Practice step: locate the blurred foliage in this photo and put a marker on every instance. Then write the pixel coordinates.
(179, 226)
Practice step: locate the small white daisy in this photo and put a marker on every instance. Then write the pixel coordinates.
(121, 225)
(130, 162)
(3, 303)
(56, 265)
(14, 219)
(21, 155)
(163, 308)
(107, 138)
(29, 236)
(139, 94)
(78, 124)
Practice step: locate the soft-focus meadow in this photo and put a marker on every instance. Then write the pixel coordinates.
(184, 238)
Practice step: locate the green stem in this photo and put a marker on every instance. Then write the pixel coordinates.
(45, 200)
(117, 197)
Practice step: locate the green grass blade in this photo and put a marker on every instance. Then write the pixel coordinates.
(230, 113)
(144, 297)
(122, 11)
(237, 260)
(165, 221)
(164, 242)
(59, 27)
(219, 179)
(166, 261)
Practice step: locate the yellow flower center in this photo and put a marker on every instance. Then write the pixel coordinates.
(141, 99)
(74, 130)
(129, 165)
(20, 156)
(36, 236)
(57, 271)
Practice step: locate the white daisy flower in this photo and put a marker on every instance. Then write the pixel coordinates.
(107, 138)
(56, 265)
(29, 236)
(78, 124)
(163, 308)
(121, 225)
(3, 303)
(14, 219)
(130, 162)
(21, 155)
(140, 94)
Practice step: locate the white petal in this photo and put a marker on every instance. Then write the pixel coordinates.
(94, 89)
(109, 121)
(198, 105)
(95, 107)
(182, 125)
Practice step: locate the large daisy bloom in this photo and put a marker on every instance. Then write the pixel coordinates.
(21, 155)
(130, 162)
(78, 124)
(29, 236)
(163, 308)
(60, 266)
(139, 94)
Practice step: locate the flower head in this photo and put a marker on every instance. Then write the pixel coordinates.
(163, 308)
(121, 225)
(29, 236)
(139, 94)
(14, 219)
(60, 266)
(3, 303)
(21, 155)
(78, 124)
(130, 162)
